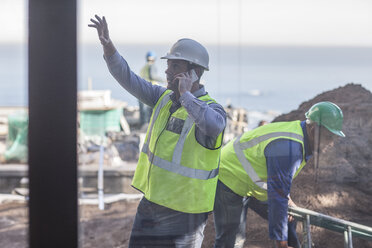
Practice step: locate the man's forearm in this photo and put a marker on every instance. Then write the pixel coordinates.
(210, 119)
(109, 49)
(135, 85)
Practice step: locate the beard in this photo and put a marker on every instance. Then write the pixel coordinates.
(172, 85)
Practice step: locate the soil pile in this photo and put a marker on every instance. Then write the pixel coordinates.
(340, 184)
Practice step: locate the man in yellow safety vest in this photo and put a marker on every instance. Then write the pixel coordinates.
(257, 169)
(178, 166)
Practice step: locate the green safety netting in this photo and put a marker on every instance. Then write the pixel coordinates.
(92, 123)
(98, 122)
(16, 144)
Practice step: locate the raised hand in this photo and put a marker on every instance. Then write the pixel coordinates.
(102, 29)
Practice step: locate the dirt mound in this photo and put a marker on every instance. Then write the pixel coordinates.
(349, 159)
(340, 185)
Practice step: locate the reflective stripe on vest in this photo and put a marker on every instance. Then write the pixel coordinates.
(164, 101)
(240, 147)
(175, 166)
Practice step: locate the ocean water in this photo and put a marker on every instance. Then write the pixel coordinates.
(253, 77)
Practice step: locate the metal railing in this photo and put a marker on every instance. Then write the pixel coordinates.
(350, 229)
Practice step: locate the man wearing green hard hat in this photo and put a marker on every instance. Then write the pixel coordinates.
(257, 169)
(328, 115)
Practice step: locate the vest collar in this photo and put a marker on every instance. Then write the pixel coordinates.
(200, 92)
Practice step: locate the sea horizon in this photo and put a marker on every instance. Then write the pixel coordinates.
(260, 78)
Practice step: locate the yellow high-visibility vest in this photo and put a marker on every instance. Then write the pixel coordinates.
(243, 162)
(174, 170)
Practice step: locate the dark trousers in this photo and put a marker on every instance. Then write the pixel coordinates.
(158, 226)
(230, 215)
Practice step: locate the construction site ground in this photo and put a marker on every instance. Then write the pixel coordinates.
(110, 228)
(338, 185)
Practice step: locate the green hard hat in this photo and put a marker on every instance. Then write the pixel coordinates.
(328, 115)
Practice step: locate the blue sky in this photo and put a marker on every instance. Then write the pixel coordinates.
(251, 22)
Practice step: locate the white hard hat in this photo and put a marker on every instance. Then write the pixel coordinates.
(189, 50)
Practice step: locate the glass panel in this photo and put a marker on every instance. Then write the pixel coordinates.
(13, 125)
(109, 141)
(269, 62)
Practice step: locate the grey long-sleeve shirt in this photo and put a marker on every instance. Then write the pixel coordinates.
(210, 119)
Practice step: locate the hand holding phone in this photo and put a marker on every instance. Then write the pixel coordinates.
(186, 80)
(193, 76)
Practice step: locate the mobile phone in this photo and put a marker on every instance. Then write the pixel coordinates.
(193, 75)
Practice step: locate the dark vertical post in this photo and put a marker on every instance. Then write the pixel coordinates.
(53, 209)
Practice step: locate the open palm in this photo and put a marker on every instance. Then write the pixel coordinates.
(102, 29)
